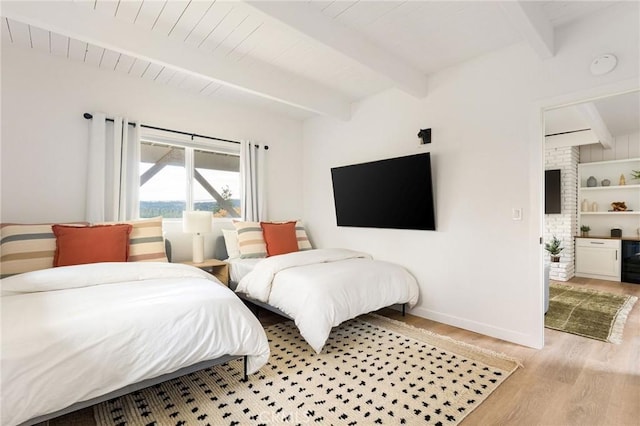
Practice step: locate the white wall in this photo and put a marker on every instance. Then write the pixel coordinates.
(44, 136)
(480, 270)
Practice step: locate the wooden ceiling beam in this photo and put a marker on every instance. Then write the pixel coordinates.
(222, 203)
(592, 116)
(260, 79)
(528, 18)
(175, 157)
(313, 24)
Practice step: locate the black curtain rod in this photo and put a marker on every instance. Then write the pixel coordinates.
(88, 116)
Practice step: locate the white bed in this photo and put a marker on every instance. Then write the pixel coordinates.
(319, 289)
(75, 333)
(238, 268)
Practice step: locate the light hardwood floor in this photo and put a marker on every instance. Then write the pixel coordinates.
(573, 380)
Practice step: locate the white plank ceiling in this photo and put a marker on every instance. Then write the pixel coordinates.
(298, 58)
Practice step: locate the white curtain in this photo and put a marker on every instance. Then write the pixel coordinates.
(252, 181)
(113, 177)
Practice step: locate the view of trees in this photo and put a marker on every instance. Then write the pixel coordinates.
(174, 209)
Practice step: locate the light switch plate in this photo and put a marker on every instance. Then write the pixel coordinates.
(516, 214)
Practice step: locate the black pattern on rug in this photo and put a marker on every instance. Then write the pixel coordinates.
(366, 374)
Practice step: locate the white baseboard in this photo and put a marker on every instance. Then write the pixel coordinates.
(536, 342)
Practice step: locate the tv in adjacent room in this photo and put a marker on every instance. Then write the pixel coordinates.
(552, 192)
(391, 193)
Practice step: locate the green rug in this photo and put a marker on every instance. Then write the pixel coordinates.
(589, 313)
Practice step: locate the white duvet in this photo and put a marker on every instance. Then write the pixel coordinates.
(73, 333)
(322, 288)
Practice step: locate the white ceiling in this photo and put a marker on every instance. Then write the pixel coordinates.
(620, 115)
(300, 58)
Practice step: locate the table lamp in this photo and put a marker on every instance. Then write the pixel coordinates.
(196, 223)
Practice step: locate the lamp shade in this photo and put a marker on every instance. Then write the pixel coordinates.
(197, 222)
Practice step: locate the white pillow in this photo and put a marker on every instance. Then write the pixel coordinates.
(231, 243)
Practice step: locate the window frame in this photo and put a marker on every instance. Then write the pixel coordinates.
(190, 143)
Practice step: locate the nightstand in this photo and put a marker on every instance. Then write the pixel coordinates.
(215, 267)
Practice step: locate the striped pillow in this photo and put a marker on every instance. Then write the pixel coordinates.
(250, 240)
(146, 242)
(301, 236)
(27, 247)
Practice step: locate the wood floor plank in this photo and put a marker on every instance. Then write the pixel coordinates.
(588, 403)
(619, 412)
(573, 380)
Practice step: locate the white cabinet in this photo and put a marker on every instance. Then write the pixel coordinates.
(598, 258)
(602, 219)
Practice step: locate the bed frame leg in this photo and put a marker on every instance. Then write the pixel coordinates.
(244, 366)
(403, 306)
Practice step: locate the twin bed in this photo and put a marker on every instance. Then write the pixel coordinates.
(88, 332)
(320, 289)
(73, 336)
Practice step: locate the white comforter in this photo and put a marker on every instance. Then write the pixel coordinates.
(73, 333)
(322, 288)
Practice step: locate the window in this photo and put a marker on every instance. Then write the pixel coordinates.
(185, 175)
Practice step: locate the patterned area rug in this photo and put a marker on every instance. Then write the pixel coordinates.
(373, 370)
(590, 313)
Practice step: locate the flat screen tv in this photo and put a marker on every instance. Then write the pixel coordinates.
(552, 192)
(392, 193)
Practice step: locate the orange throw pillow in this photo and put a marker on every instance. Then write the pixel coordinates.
(91, 244)
(280, 237)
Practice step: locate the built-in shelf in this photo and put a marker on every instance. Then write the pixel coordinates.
(611, 213)
(594, 202)
(608, 188)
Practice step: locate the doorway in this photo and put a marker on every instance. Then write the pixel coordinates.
(592, 128)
